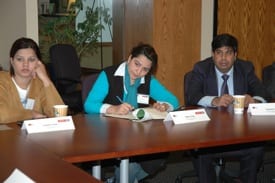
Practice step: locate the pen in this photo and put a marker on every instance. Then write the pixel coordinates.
(119, 99)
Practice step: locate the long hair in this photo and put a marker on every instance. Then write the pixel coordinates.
(22, 43)
(149, 52)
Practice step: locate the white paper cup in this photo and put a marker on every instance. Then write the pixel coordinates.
(238, 104)
(60, 110)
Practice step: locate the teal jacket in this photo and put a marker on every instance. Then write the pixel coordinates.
(96, 101)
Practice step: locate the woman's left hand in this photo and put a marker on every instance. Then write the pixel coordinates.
(161, 106)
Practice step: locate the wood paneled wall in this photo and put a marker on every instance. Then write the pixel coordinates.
(118, 22)
(171, 26)
(253, 24)
(133, 23)
(176, 37)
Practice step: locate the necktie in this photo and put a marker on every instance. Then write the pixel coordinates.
(224, 89)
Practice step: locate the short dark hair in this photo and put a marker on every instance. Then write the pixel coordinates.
(148, 51)
(22, 43)
(225, 40)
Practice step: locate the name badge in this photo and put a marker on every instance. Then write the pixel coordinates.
(30, 104)
(142, 98)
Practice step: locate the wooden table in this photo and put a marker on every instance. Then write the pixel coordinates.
(97, 137)
(35, 162)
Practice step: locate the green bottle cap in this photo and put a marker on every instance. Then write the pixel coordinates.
(140, 114)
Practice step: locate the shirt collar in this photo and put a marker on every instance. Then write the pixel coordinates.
(219, 73)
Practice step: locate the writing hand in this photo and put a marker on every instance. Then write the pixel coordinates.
(123, 108)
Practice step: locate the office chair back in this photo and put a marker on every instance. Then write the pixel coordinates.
(268, 77)
(186, 81)
(87, 84)
(67, 75)
(66, 65)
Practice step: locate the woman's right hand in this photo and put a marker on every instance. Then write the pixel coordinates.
(41, 73)
(124, 108)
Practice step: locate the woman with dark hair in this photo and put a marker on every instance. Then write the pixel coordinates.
(26, 92)
(119, 89)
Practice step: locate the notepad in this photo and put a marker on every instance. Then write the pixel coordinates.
(150, 113)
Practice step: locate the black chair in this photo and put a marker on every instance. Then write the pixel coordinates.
(87, 84)
(186, 82)
(189, 173)
(268, 78)
(67, 75)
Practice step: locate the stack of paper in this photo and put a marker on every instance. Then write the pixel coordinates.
(149, 113)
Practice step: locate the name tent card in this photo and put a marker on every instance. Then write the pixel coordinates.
(262, 109)
(187, 116)
(18, 176)
(49, 124)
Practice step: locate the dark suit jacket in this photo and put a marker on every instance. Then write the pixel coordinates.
(204, 82)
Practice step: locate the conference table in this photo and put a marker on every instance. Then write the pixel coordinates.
(97, 137)
(34, 162)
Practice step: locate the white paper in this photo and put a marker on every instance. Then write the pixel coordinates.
(49, 124)
(155, 114)
(150, 113)
(262, 109)
(187, 116)
(18, 176)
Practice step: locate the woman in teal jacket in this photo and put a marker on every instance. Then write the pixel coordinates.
(119, 89)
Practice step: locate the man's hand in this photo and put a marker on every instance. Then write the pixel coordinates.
(222, 101)
(249, 100)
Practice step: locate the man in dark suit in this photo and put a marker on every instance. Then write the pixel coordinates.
(214, 82)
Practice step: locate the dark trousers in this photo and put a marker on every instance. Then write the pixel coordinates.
(250, 157)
